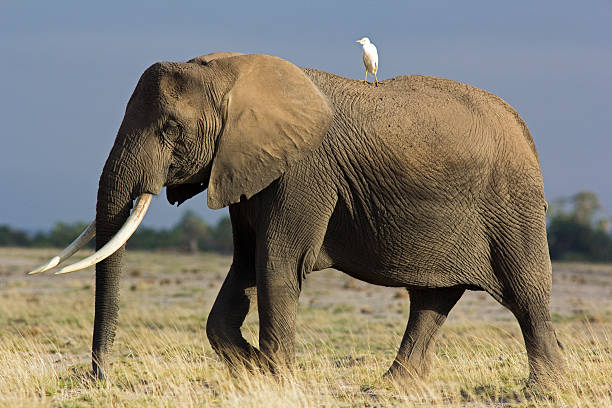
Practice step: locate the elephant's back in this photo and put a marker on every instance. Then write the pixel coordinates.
(438, 139)
(465, 104)
(426, 118)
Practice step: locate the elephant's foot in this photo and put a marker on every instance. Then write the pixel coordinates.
(405, 370)
(100, 366)
(241, 358)
(547, 366)
(277, 364)
(546, 378)
(260, 366)
(404, 377)
(546, 390)
(253, 361)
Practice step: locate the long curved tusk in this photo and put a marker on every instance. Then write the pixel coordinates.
(70, 250)
(126, 231)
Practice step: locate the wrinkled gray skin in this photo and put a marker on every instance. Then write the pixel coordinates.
(422, 183)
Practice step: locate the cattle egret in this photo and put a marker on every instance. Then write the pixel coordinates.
(370, 58)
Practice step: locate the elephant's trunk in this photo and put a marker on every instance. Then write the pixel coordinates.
(112, 210)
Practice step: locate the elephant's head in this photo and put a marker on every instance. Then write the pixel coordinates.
(232, 123)
(228, 122)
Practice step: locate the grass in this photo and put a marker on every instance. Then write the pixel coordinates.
(348, 334)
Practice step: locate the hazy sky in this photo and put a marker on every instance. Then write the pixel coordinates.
(67, 69)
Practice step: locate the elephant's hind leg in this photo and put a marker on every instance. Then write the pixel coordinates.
(528, 297)
(524, 271)
(428, 310)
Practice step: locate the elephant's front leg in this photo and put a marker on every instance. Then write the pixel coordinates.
(227, 315)
(289, 237)
(278, 290)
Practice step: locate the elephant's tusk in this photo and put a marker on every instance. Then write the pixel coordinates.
(126, 231)
(70, 250)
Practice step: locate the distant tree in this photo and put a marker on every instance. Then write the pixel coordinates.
(577, 230)
(60, 235)
(194, 231)
(150, 238)
(586, 205)
(13, 237)
(603, 225)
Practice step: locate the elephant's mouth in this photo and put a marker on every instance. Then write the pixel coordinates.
(123, 234)
(182, 186)
(179, 193)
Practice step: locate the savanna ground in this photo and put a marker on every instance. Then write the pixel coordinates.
(348, 334)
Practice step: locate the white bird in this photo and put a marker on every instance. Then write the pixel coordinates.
(370, 58)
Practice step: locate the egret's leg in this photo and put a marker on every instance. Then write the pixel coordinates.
(376, 78)
(365, 81)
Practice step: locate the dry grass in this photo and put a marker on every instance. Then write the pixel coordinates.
(348, 334)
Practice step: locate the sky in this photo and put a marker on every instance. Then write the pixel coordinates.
(68, 68)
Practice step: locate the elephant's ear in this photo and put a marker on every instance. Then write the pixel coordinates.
(275, 116)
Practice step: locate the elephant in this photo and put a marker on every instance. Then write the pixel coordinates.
(420, 183)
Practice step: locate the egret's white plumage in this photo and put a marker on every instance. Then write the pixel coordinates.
(370, 58)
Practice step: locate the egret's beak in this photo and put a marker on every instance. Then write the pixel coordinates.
(359, 41)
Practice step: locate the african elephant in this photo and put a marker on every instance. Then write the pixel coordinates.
(422, 183)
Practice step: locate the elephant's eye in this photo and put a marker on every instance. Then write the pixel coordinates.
(171, 129)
